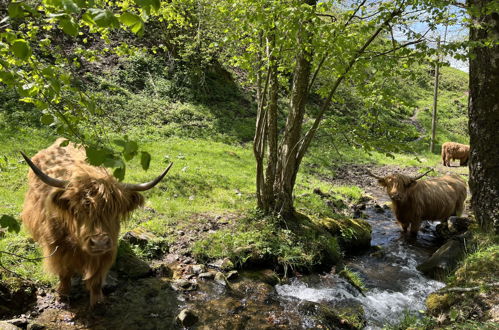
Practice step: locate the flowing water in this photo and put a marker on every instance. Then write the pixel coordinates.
(394, 285)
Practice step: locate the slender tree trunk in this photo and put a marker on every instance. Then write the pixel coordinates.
(288, 164)
(270, 173)
(484, 117)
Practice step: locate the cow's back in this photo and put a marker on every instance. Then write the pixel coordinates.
(439, 198)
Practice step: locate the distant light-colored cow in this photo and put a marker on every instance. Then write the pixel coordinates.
(73, 210)
(414, 201)
(454, 150)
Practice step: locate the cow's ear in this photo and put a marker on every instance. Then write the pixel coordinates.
(60, 201)
(135, 200)
(382, 182)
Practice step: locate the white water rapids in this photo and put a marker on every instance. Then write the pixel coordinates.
(394, 285)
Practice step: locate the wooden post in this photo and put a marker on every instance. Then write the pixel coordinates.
(435, 99)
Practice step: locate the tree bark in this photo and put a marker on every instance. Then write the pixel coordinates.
(484, 116)
(288, 164)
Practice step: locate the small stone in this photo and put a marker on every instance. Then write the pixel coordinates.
(378, 209)
(223, 264)
(232, 275)
(35, 326)
(8, 326)
(220, 278)
(191, 198)
(184, 285)
(198, 269)
(207, 275)
(187, 318)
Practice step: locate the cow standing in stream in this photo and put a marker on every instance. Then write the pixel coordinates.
(73, 210)
(414, 201)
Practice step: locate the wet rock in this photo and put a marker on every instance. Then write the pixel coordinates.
(184, 285)
(162, 269)
(444, 260)
(35, 326)
(16, 296)
(223, 264)
(8, 326)
(187, 318)
(232, 275)
(457, 225)
(378, 209)
(325, 316)
(198, 269)
(220, 278)
(207, 275)
(267, 276)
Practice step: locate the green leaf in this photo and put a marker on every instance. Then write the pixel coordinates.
(119, 173)
(9, 222)
(134, 22)
(47, 119)
(103, 17)
(15, 9)
(64, 143)
(69, 26)
(145, 160)
(21, 49)
(70, 7)
(97, 156)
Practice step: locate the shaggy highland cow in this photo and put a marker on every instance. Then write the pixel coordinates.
(454, 150)
(73, 210)
(414, 201)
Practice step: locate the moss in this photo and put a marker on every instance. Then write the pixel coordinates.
(353, 278)
(437, 302)
(257, 241)
(354, 235)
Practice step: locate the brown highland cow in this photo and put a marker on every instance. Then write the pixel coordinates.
(414, 201)
(454, 150)
(73, 210)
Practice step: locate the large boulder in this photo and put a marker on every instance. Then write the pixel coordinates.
(445, 259)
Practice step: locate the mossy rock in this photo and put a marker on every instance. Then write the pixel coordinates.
(325, 316)
(437, 303)
(16, 296)
(354, 235)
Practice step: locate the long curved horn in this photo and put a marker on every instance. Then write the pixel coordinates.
(147, 185)
(422, 175)
(44, 177)
(374, 176)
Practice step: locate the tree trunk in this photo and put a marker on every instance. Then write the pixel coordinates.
(484, 117)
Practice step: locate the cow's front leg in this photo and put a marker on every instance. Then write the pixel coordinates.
(94, 285)
(415, 225)
(64, 287)
(404, 226)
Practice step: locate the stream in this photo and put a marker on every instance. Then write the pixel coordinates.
(256, 299)
(393, 287)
